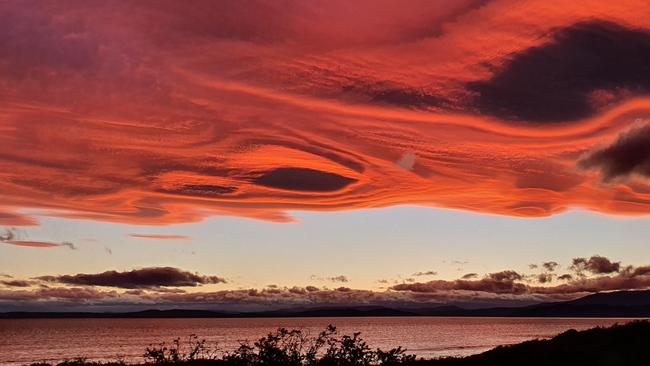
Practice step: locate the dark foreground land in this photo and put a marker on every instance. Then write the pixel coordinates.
(619, 345)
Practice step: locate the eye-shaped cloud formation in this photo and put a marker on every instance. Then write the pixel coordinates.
(159, 112)
(152, 277)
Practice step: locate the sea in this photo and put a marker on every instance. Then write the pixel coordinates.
(24, 341)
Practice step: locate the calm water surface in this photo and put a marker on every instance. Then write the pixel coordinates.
(26, 340)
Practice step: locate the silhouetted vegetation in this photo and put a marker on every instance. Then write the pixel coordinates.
(281, 348)
(619, 345)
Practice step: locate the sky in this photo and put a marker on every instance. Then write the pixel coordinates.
(268, 154)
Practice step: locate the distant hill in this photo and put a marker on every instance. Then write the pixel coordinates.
(173, 313)
(619, 345)
(623, 304)
(633, 304)
(619, 298)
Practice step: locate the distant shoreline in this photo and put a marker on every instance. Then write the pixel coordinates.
(620, 304)
(183, 314)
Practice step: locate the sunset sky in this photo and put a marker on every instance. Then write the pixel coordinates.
(269, 154)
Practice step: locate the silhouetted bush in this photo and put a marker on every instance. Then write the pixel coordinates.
(280, 348)
(175, 353)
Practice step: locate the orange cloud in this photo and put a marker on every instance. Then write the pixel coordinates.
(13, 237)
(173, 113)
(159, 237)
(32, 244)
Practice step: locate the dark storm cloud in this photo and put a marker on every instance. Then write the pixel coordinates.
(596, 265)
(630, 153)
(139, 278)
(303, 179)
(554, 82)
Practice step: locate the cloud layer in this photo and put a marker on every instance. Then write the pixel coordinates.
(152, 277)
(158, 286)
(156, 112)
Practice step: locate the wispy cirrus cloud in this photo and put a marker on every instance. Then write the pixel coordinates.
(425, 273)
(159, 236)
(11, 237)
(338, 278)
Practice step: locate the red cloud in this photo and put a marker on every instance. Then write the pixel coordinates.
(13, 219)
(164, 113)
(159, 237)
(12, 237)
(32, 244)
